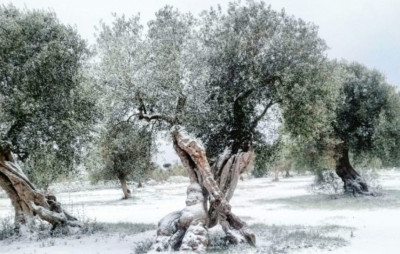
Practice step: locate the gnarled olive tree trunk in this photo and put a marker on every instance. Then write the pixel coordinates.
(352, 180)
(188, 229)
(26, 200)
(227, 170)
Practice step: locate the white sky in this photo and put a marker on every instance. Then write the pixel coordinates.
(367, 31)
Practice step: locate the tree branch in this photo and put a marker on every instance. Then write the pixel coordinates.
(171, 120)
(246, 94)
(258, 118)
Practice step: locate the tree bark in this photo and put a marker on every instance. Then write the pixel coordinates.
(189, 232)
(352, 181)
(125, 189)
(26, 199)
(227, 170)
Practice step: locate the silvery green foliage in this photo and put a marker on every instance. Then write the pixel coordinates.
(124, 144)
(365, 95)
(44, 102)
(155, 67)
(386, 138)
(367, 120)
(355, 106)
(176, 67)
(266, 155)
(126, 152)
(255, 57)
(310, 113)
(308, 119)
(229, 68)
(135, 68)
(43, 167)
(119, 59)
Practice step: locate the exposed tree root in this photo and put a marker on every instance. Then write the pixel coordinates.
(26, 200)
(352, 181)
(187, 229)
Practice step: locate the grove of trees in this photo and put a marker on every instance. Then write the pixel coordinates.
(45, 107)
(209, 81)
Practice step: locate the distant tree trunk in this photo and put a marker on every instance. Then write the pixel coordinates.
(353, 182)
(26, 200)
(276, 178)
(140, 184)
(125, 189)
(188, 229)
(319, 176)
(287, 173)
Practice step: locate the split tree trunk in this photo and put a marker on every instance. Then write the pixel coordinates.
(187, 229)
(26, 199)
(353, 182)
(227, 170)
(125, 189)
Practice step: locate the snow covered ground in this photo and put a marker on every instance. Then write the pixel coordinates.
(286, 216)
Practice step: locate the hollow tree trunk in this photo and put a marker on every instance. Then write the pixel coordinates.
(227, 171)
(187, 229)
(125, 189)
(26, 200)
(352, 181)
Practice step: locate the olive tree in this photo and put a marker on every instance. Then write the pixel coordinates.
(146, 73)
(126, 150)
(257, 58)
(214, 78)
(354, 117)
(44, 106)
(125, 144)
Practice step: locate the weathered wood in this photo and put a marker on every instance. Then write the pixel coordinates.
(187, 229)
(352, 180)
(26, 199)
(227, 170)
(235, 229)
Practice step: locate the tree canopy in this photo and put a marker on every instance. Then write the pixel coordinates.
(256, 58)
(45, 106)
(43, 97)
(358, 108)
